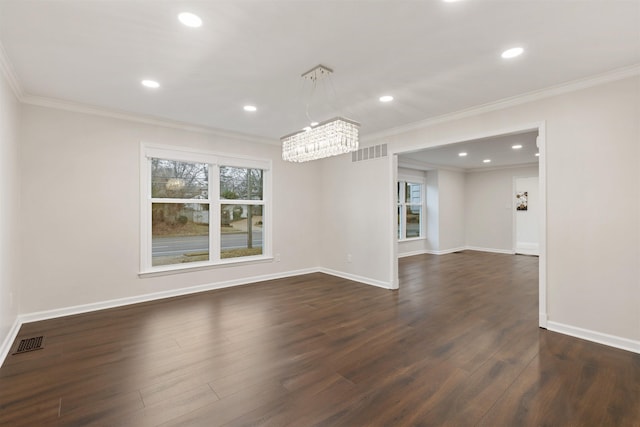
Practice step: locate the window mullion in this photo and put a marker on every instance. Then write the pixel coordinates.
(266, 213)
(184, 201)
(145, 214)
(215, 235)
(403, 209)
(241, 202)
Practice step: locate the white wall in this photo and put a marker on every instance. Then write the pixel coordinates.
(9, 208)
(433, 208)
(80, 178)
(593, 241)
(357, 206)
(489, 210)
(451, 210)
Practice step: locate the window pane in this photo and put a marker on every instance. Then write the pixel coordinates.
(413, 192)
(399, 222)
(241, 183)
(179, 180)
(240, 230)
(413, 221)
(180, 233)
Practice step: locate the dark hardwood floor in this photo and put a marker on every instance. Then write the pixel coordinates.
(457, 345)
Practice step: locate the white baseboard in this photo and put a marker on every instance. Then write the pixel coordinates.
(492, 250)
(356, 278)
(448, 251)
(413, 253)
(542, 320)
(103, 305)
(452, 250)
(85, 308)
(527, 252)
(526, 248)
(599, 337)
(9, 339)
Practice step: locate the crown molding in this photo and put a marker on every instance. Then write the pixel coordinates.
(40, 101)
(424, 166)
(8, 71)
(499, 168)
(572, 86)
(10, 74)
(14, 83)
(414, 164)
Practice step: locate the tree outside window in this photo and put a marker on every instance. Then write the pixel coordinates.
(241, 221)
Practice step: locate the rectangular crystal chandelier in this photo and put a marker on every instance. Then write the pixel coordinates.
(328, 138)
(325, 139)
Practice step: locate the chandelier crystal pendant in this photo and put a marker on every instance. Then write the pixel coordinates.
(329, 138)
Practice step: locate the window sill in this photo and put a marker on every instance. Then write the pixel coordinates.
(412, 239)
(177, 269)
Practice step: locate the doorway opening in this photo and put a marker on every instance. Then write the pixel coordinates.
(475, 191)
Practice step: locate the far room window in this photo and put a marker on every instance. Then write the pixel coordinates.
(201, 209)
(410, 209)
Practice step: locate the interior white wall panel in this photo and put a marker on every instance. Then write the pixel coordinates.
(10, 209)
(593, 214)
(80, 242)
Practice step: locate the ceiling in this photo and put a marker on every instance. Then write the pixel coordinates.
(498, 149)
(434, 57)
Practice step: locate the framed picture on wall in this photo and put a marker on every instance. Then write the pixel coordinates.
(521, 200)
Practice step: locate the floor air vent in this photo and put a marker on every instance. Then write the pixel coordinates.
(30, 344)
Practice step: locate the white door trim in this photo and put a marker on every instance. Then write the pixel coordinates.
(541, 141)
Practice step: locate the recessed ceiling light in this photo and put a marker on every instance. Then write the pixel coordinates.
(486, 161)
(250, 108)
(190, 20)
(537, 154)
(463, 154)
(314, 123)
(150, 83)
(386, 98)
(512, 53)
(516, 147)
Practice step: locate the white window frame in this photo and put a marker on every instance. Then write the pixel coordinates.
(402, 208)
(215, 161)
